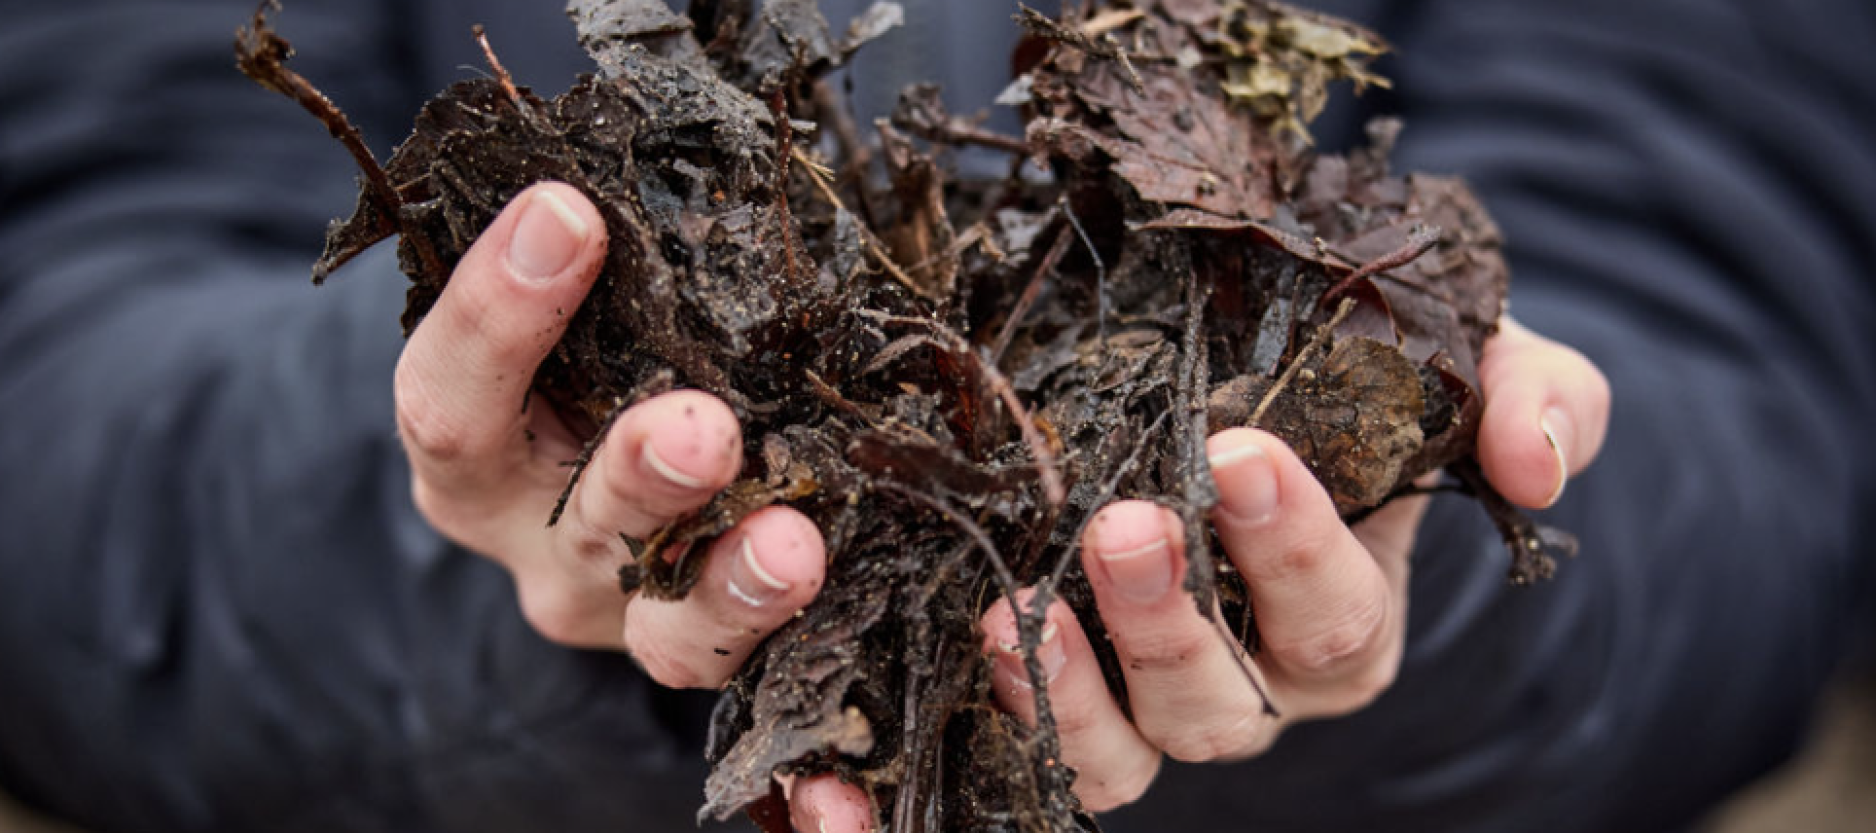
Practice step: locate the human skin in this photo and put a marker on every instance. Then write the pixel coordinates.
(1331, 599)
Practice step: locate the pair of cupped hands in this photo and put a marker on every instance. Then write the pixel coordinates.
(1331, 599)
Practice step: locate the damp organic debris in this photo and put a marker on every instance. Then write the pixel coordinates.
(950, 376)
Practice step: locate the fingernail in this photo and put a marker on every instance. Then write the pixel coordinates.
(1049, 653)
(750, 582)
(1140, 574)
(1247, 484)
(547, 238)
(669, 472)
(1556, 425)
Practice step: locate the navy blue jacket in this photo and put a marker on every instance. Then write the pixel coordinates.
(220, 611)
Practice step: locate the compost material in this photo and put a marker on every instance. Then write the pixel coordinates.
(949, 377)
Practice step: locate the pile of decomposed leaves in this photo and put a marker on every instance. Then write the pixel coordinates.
(950, 376)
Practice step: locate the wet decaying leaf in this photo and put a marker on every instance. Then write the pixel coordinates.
(949, 377)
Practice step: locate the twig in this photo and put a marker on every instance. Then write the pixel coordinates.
(1028, 621)
(262, 55)
(1419, 241)
(956, 130)
(1289, 373)
(1108, 490)
(1242, 661)
(1050, 260)
(1105, 46)
(656, 384)
(830, 107)
(1201, 492)
(867, 237)
(585, 459)
(1100, 273)
(501, 73)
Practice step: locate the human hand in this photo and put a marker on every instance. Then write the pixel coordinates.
(1331, 600)
(486, 472)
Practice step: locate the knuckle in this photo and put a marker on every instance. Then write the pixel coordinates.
(427, 426)
(487, 312)
(1361, 688)
(1301, 555)
(1071, 723)
(593, 550)
(429, 431)
(1338, 644)
(1195, 743)
(1162, 650)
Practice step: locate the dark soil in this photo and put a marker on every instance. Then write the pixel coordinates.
(951, 377)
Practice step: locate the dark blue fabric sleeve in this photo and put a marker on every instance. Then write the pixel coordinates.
(218, 609)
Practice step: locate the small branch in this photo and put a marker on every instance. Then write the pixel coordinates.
(1108, 490)
(959, 131)
(867, 237)
(831, 109)
(1243, 662)
(585, 459)
(261, 55)
(1028, 617)
(1050, 260)
(1104, 46)
(1419, 241)
(1100, 272)
(1052, 487)
(1289, 373)
(501, 73)
(657, 383)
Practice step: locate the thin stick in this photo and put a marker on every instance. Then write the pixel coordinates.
(656, 384)
(1050, 260)
(831, 106)
(501, 73)
(1052, 487)
(1028, 622)
(958, 131)
(1108, 489)
(867, 237)
(585, 459)
(262, 55)
(1243, 663)
(1419, 241)
(1100, 273)
(1289, 373)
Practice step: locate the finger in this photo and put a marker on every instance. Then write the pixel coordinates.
(1114, 764)
(1546, 413)
(461, 379)
(1328, 617)
(758, 575)
(663, 458)
(1187, 687)
(825, 804)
